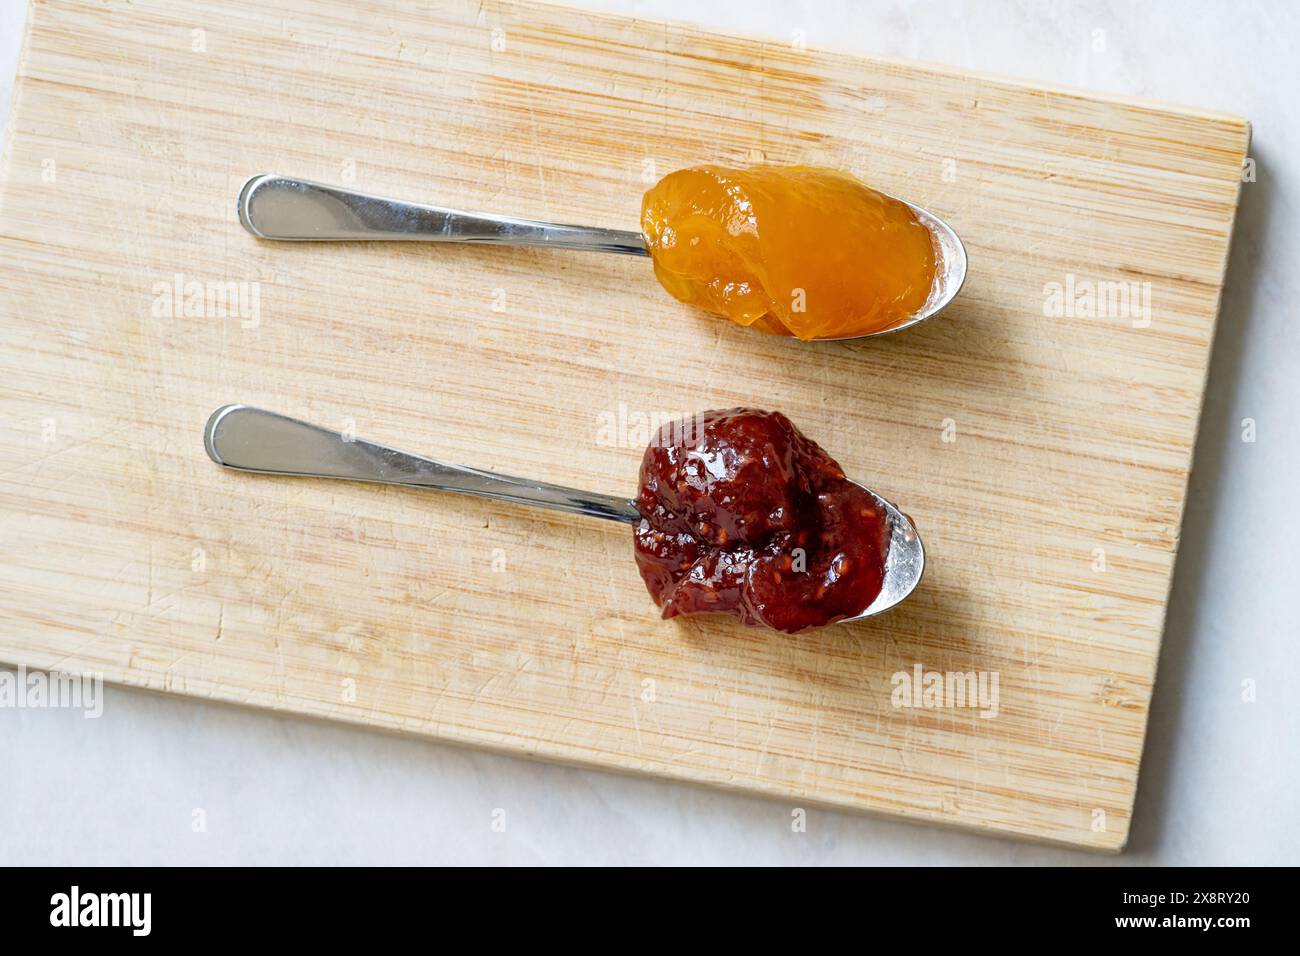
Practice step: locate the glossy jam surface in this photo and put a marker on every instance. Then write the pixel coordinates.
(743, 515)
(790, 250)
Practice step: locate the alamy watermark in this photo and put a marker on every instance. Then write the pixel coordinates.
(74, 908)
(38, 689)
(189, 298)
(630, 428)
(1084, 298)
(938, 690)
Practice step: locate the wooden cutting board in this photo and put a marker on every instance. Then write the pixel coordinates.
(1042, 447)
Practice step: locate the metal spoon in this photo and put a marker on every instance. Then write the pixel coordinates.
(252, 439)
(280, 207)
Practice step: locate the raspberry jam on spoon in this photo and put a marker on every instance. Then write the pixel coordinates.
(737, 513)
(744, 515)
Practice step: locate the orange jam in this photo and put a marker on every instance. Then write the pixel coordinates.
(788, 250)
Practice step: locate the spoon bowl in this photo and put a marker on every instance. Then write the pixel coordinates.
(904, 561)
(950, 266)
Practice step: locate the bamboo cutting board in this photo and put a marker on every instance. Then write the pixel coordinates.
(1042, 446)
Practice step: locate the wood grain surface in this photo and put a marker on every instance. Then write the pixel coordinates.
(1043, 451)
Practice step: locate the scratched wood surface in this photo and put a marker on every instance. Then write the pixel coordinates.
(1042, 451)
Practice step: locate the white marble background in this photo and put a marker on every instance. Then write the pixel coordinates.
(1219, 777)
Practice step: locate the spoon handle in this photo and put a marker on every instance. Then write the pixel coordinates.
(280, 207)
(252, 439)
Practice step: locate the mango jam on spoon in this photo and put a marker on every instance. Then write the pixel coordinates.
(791, 250)
(788, 250)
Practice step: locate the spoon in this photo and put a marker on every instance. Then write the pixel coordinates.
(280, 207)
(244, 438)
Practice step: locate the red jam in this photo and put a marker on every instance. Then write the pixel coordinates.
(743, 515)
